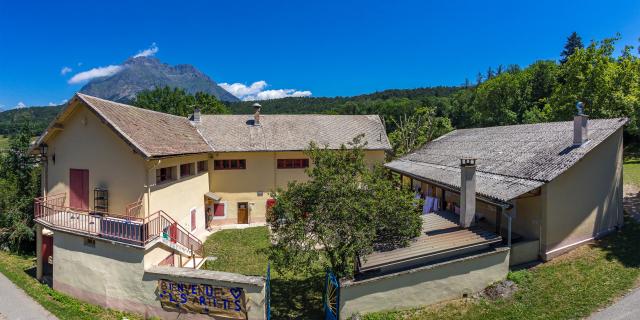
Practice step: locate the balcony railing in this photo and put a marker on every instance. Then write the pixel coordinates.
(50, 211)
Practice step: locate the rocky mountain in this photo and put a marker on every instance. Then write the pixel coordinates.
(144, 73)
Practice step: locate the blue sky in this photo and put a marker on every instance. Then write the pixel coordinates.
(329, 48)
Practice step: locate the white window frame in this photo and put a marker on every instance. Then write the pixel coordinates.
(226, 207)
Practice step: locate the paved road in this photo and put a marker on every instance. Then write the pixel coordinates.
(626, 309)
(15, 304)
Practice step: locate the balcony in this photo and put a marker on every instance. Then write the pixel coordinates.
(51, 212)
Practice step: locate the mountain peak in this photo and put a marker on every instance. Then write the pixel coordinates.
(146, 73)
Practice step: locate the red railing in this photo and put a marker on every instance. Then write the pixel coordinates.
(133, 230)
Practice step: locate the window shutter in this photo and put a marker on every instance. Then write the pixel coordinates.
(218, 209)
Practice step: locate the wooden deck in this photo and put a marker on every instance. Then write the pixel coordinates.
(441, 237)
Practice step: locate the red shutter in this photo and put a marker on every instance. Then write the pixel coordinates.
(193, 219)
(218, 210)
(271, 203)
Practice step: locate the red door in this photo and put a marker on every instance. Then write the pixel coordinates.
(79, 188)
(47, 255)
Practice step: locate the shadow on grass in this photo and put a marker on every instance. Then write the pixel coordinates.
(297, 298)
(623, 246)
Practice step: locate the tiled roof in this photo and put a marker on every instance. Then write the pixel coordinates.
(152, 133)
(290, 132)
(511, 160)
(157, 134)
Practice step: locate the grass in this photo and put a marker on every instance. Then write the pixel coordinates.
(632, 169)
(570, 287)
(20, 270)
(296, 296)
(4, 142)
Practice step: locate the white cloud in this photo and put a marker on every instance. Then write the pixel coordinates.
(256, 91)
(65, 70)
(148, 52)
(20, 105)
(95, 73)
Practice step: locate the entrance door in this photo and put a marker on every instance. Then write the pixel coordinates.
(79, 189)
(243, 213)
(47, 255)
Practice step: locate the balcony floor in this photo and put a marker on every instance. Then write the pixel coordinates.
(441, 236)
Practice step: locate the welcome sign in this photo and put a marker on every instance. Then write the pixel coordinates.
(202, 298)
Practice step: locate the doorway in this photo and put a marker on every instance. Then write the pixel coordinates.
(47, 256)
(243, 213)
(79, 189)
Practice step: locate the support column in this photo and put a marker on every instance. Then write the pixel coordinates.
(39, 252)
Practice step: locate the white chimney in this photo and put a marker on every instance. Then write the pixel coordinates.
(467, 191)
(256, 115)
(196, 115)
(580, 126)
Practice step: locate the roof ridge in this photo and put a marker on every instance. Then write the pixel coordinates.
(130, 106)
(539, 123)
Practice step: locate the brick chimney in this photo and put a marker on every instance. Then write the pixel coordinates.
(580, 126)
(467, 191)
(256, 115)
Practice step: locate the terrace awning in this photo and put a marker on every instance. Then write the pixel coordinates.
(213, 196)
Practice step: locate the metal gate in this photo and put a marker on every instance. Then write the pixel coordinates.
(331, 297)
(267, 294)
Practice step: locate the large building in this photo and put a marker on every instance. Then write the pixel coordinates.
(495, 197)
(125, 189)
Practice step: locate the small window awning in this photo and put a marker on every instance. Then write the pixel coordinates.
(212, 196)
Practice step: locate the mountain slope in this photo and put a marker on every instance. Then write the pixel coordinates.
(37, 118)
(144, 73)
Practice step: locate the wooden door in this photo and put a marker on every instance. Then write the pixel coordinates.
(79, 189)
(243, 213)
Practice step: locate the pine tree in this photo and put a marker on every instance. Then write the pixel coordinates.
(574, 42)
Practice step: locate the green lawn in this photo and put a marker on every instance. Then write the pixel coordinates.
(632, 170)
(4, 142)
(240, 251)
(570, 287)
(20, 270)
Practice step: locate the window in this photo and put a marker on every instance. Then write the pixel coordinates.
(293, 163)
(202, 166)
(165, 174)
(218, 209)
(229, 164)
(187, 169)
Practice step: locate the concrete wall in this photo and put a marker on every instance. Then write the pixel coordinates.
(177, 198)
(107, 274)
(261, 175)
(87, 143)
(425, 285)
(585, 201)
(117, 276)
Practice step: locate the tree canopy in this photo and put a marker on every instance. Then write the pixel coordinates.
(343, 211)
(178, 102)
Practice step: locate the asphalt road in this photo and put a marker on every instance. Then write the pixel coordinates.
(17, 305)
(626, 309)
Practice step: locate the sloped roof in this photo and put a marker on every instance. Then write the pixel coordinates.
(290, 132)
(152, 133)
(511, 160)
(157, 134)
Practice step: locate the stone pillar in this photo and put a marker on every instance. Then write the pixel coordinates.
(467, 191)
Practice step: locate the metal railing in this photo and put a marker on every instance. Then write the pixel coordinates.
(138, 231)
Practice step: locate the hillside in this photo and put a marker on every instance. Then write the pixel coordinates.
(37, 118)
(340, 105)
(145, 73)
